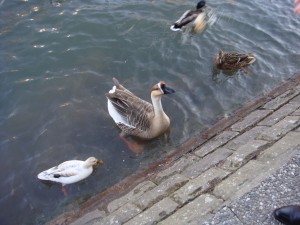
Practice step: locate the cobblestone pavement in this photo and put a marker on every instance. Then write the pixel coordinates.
(237, 176)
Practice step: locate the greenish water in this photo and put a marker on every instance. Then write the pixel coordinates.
(57, 62)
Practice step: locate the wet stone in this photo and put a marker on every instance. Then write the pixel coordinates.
(120, 216)
(223, 217)
(280, 129)
(250, 120)
(199, 185)
(215, 142)
(177, 167)
(279, 114)
(240, 180)
(245, 153)
(277, 151)
(207, 162)
(240, 140)
(154, 214)
(164, 189)
(90, 218)
(193, 212)
(281, 99)
(131, 196)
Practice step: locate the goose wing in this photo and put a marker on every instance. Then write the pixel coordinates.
(128, 111)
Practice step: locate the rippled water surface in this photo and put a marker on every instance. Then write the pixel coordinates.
(57, 62)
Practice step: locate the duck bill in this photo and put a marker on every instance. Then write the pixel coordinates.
(99, 162)
(167, 90)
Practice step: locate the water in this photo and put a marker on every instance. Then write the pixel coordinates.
(57, 62)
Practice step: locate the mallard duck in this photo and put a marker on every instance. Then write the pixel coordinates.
(190, 16)
(135, 116)
(232, 60)
(70, 171)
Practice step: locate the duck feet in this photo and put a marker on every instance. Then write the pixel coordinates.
(64, 190)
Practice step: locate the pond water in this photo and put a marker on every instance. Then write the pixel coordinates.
(57, 61)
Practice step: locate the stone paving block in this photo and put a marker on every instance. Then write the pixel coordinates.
(223, 217)
(279, 114)
(296, 113)
(250, 120)
(240, 140)
(162, 190)
(280, 148)
(90, 218)
(215, 142)
(131, 196)
(194, 211)
(281, 99)
(244, 154)
(207, 162)
(280, 129)
(296, 100)
(120, 216)
(279, 189)
(154, 214)
(240, 180)
(199, 185)
(177, 167)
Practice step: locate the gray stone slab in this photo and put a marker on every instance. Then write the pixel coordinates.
(245, 153)
(207, 162)
(215, 142)
(223, 217)
(240, 181)
(296, 100)
(120, 216)
(280, 189)
(250, 120)
(154, 214)
(280, 129)
(199, 185)
(281, 99)
(280, 149)
(194, 211)
(90, 218)
(240, 140)
(131, 196)
(279, 114)
(296, 113)
(177, 167)
(161, 191)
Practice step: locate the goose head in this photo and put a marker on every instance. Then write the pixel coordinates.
(160, 89)
(92, 161)
(200, 4)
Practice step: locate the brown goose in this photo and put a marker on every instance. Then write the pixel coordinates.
(135, 116)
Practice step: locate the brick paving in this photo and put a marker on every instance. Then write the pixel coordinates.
(233, 177)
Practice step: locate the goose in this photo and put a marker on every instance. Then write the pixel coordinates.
(193, 15)
(232, 60)
(70, 171)
(135, 116)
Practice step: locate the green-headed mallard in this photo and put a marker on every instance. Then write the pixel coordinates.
(232, 60)
(190, 16)
(135, 116)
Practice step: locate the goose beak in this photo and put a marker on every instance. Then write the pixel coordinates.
(167, 90)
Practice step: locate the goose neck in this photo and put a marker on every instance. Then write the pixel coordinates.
(156, 102)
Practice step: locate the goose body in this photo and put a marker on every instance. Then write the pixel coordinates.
(135, 116)
(232, 60)
(70, 171)
(190, 16)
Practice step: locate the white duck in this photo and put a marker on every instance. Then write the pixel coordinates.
(70, 171)
(135, 116)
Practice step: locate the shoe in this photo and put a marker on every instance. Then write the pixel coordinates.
(288, 215)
